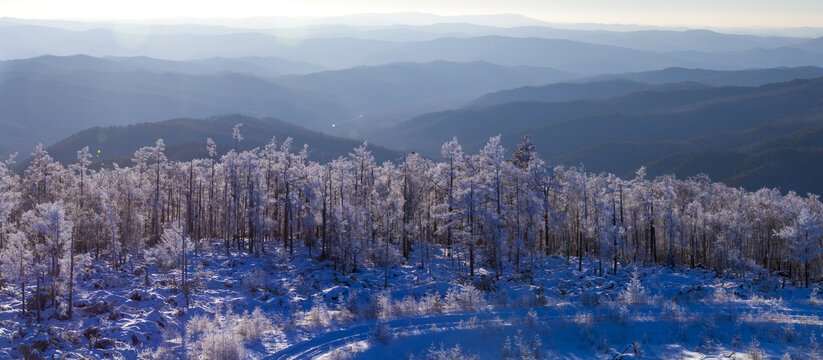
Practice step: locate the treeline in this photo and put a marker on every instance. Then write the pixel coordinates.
(486, 209)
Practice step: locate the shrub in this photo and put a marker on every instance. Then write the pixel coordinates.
(431, 303)
(471, 323)
(520, 348)
(201, 277)
(754, 350)
(408, 306)
(583, 318)
(634, 293)
(255, 280)
(442, 353)
(384, 306)
(674, 312)
(218, 344)
(224, 337)
(163, 352)
(616, 312)
(721, 295)
(318, 316)
(197, 325)
(381, 334)
(252, 326)
(465, 298)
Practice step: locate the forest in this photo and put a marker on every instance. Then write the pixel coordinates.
(487, 209)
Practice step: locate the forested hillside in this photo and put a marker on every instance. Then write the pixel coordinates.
(672, 128)
(485, 208)
(184, 139)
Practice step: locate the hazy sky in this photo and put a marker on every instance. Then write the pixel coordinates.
(694, 13)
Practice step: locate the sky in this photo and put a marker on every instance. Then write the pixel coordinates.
(690, 13)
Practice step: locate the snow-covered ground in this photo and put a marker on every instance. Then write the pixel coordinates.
(308, 310)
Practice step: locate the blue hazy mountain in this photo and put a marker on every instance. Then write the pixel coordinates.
(603, 86)
(657, 127)
(83, 91)
(750, 77)
(185, 139)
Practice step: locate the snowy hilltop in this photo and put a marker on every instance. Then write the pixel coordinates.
(263, 254)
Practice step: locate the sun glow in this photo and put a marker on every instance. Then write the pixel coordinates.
(728, 13)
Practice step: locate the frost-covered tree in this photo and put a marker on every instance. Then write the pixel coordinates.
(491, 176)
(145, 157)
(524, 153)
(9, 191)
(237, 136)
(804, 236)
(48, 226)
(446, 175)
(16, 264)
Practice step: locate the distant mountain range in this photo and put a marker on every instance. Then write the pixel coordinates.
(670, 79)
(255, 66)
(398, 91)
(574, 91)
(749, 77)
(579, 51)
(671, 129)
(43, 108)
(83, 91)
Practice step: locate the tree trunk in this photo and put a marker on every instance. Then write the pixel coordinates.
(37, 298)
(71, 278)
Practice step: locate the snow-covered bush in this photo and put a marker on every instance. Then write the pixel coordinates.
(721, 295)
(319, 315)
(430, 303)
(674, 312)
(443, 353)
(465, 298)
(218, 344)
(754, 350)
(522, 349)
(634, 293)
(224, 336)
(255, 280)
(167, 254)
(530, 320)
(252, 326)
(201, 277)
(162, 352)
(407, 307)
(583, 318)
(615, 312)
(197, 325)
(471, 323)
(384, 305)
(361, 304)
(381, 334)
(493, 327)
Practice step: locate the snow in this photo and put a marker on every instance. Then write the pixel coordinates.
(317, 312)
